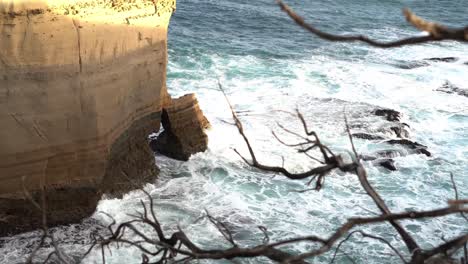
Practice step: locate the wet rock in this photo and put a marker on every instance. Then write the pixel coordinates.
(184, 129)
(367, 157)
(401, 131)
(386, 163)
(389, 164)
(389, 114)
(415, 147)
(390, 153)
(450, 88)
(442, 59)
(367, 136)
(408, 65)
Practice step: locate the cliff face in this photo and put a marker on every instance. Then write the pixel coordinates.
(82, 84)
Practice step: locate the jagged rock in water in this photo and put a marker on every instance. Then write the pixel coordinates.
(367, 136)
(390, 114)
(184, 124)
(415, 147)
(407, 65)
(389, 164)
(442, 59)
(386, 163)
(367, 122)
(389, 153)
(450, 88)
(401, 131)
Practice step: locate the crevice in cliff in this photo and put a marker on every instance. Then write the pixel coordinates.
(78, 35)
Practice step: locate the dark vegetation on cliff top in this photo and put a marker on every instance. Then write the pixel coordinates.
(160, 247)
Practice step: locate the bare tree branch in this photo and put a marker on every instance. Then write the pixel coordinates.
(367, 236)
(42, 208)
(436, 31)
(455, 189)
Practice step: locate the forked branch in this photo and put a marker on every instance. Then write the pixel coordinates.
(437, 32)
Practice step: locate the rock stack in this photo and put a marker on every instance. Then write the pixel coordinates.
(184, 126)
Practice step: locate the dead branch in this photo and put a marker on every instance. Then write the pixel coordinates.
(42, 208)
(178, 245)
(167, 248)
(332, 161)
(437, 32)
(455, 189)
(366, 235)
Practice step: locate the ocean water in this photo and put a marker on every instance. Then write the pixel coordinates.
(269, 67)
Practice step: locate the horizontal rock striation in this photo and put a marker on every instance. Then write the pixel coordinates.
(82, 84)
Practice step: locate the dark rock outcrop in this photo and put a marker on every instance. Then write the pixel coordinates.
(450, 88)
(407, 65)
(367, 136)
(401, 131)
(367, 123)
(442, 59)
(389, 114)
(388, 164)
(399, 138)
(184, 124)
(414, 147)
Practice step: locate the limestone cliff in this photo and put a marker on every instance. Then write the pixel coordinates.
(82, 84)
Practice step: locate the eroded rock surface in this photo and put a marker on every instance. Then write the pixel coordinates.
(184, 124)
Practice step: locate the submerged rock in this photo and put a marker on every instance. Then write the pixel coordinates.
(401, 131)
(415, 147)
(184, 124)
(367, 136)
(388, 164)
(442, 59)
(407, 65)
(450, 88)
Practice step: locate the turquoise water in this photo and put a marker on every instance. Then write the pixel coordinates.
(267, 65)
